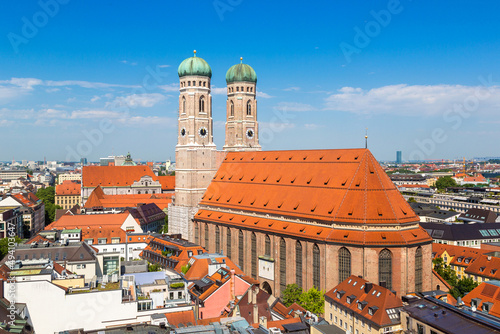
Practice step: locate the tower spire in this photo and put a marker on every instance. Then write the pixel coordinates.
(241, 60)
(366, 138)
(194, 51)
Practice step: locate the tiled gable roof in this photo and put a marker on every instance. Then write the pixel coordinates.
(114, 176)
(382, 302)
(98, 199)
(486, 292)
(324, 185)
(68, 188)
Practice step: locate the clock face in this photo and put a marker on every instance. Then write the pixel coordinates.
(183, 132)
(250, 133)
(203, 132)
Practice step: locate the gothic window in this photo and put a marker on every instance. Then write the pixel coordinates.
(344, 264)
(183, 105)
(316, 266)
(254, 256)
(204, 82)
(189, 83)
(249, 108)
(298, 264)
(206, 237)
(248, 88)
(217, 239)
(240, 249)
(268, 246)
(418, 270)
(199, 84)
(202, 104)
(228, 242)
(385, 268)
(232, 108)
(282, 265)
(196, 233)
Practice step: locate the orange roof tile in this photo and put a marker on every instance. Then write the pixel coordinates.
(167, 182)
(485, 266)
(98, 199)
(199, 268)
(377, 296)
(113, 176)
(183, 317)
(68, 188)
(322, 185)
(485, 292)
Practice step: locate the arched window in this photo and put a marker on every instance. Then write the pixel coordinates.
(385, 268)
(240, 250)
(202, 104)
(344, 264)
(268, 246)
(196, 233)
(189, 83)
(298, 264)
(232, 108)
(206, 237)
(183, 105)
(249, 108)
(316, 266)
(228, 242)
(254, 256)
(418, 269)
(282, 265)
(217, 239)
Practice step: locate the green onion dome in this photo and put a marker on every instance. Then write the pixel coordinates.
(194, 66)
(241, 72)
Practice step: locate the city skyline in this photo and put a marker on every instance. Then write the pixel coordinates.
(417, 75)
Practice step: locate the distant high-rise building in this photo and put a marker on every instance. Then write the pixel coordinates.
(399, 160)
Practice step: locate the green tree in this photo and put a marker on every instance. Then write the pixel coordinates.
(164, 229)
(154, 267)
(445, 182)
(291, 294)
(313, 300)
(463, 286)
(446, 273)
(412, 200)
(47, 195)
(4, 245)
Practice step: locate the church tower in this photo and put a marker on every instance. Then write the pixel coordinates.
(195, 153)
(242, 132)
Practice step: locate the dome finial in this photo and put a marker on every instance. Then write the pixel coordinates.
(194, 51)
(241, 60)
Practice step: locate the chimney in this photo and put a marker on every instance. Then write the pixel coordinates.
(263, 321)
(233, 288)
(255, 313)
(368, 287)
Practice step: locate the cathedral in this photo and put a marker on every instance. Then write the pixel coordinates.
(310, 217)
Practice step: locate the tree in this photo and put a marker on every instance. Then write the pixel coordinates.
(445, 182)
(47, 196)
(446, 273)
(291, 294)
(313, 300)
(164, 229)
(412, 200)
(4, 245)
(463, 286)
(154, 267)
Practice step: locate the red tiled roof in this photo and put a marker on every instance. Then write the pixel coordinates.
(68, 188)
(97, 198)
(114, 176)
(485, 266)
(199, 268)
(486, 292)
(377, 296)
(324, 185)
(167, 182)
(183, 317)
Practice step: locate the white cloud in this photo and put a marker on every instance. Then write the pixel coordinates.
(95, 98)
(4, 123)
(416, 100)
(173, 87)
(149, 121)
(128, 62)
(293, 106)
(85, 84)
(263, 95)
(24, 83)
(163, 66)
(52, 90)
(53, 113)
(139, 100)
(79, 114)
(313, 126)
(291, 89)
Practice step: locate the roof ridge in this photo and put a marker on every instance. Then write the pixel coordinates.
(385, 193)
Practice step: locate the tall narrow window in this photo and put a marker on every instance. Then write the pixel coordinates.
(344, 264)
(240, 250)
(217, 239)
(385, 268)
(183, 105)
(254, 256)
(298, 264)
(249, 108)
(206, 237)
(228, 242)
(196, 233)
(202, 104)
(282, 265)
(418, 270)
(268, 246)
(316, 266)
(232, 108)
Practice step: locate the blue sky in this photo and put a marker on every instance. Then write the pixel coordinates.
(422, 76)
